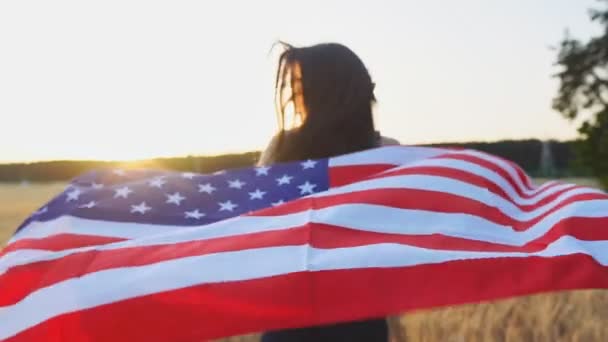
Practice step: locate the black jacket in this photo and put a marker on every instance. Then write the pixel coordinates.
(364, 331)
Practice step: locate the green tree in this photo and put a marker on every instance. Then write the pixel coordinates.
(583, 93)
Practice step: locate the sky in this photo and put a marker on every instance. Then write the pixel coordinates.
(125, 79)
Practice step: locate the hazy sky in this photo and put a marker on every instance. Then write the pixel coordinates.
(133, 79)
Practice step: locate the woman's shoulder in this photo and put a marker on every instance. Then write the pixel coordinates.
(386, 141)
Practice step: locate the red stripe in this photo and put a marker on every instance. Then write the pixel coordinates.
(476, 180)
(30, 277)
(586, 229)
(342, 175)
(34, 276)
(303, 299)
(527, 181)
(492, 166)
(60, 242)
(420, 200)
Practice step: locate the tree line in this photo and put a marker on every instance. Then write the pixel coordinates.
(583, 92)
(525, 153)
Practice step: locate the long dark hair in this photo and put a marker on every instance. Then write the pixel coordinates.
(332, 94)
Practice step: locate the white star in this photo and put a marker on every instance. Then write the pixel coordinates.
(208, 188)
(188, 175)
(122, 192)
(227, 206)
(220, 172)
(41, 211)
(140, 208)
(119, 172)
(279, 202)
(262, 171)
(88, 205)
(307, 188)
(309, 164)
(195, 214)
(157, 182)
(73, 195)
(284, 180)
(235, 184)
(96, 186)
(176, 198)
(257, 194)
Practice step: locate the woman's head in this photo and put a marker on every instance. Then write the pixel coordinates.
(328, 90)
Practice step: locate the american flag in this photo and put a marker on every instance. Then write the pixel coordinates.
(166, 256)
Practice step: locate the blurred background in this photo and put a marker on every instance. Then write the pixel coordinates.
(189, 85)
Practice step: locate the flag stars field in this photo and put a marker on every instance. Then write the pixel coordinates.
(234, 193)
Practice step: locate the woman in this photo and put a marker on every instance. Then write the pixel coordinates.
(326, 94)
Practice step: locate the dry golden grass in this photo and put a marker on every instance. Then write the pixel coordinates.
(569, 316)
(18, 201)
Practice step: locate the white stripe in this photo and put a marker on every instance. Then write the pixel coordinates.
(396, 255)
(232, 226)
(73, 225)
(168, 235)
(117, 284)
(363, 217)
(130, 282)
(490, 176)
(546, 185)
(458, 188)
(392, 155)
(404, 155)
(503, 165)
(372, 218)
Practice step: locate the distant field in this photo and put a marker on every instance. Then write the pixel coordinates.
(571, 316)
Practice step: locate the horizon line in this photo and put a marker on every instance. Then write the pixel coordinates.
(240, 152)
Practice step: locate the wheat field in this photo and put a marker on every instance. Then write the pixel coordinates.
(567, 316)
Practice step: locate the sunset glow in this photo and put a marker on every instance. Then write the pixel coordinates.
(138, 79)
